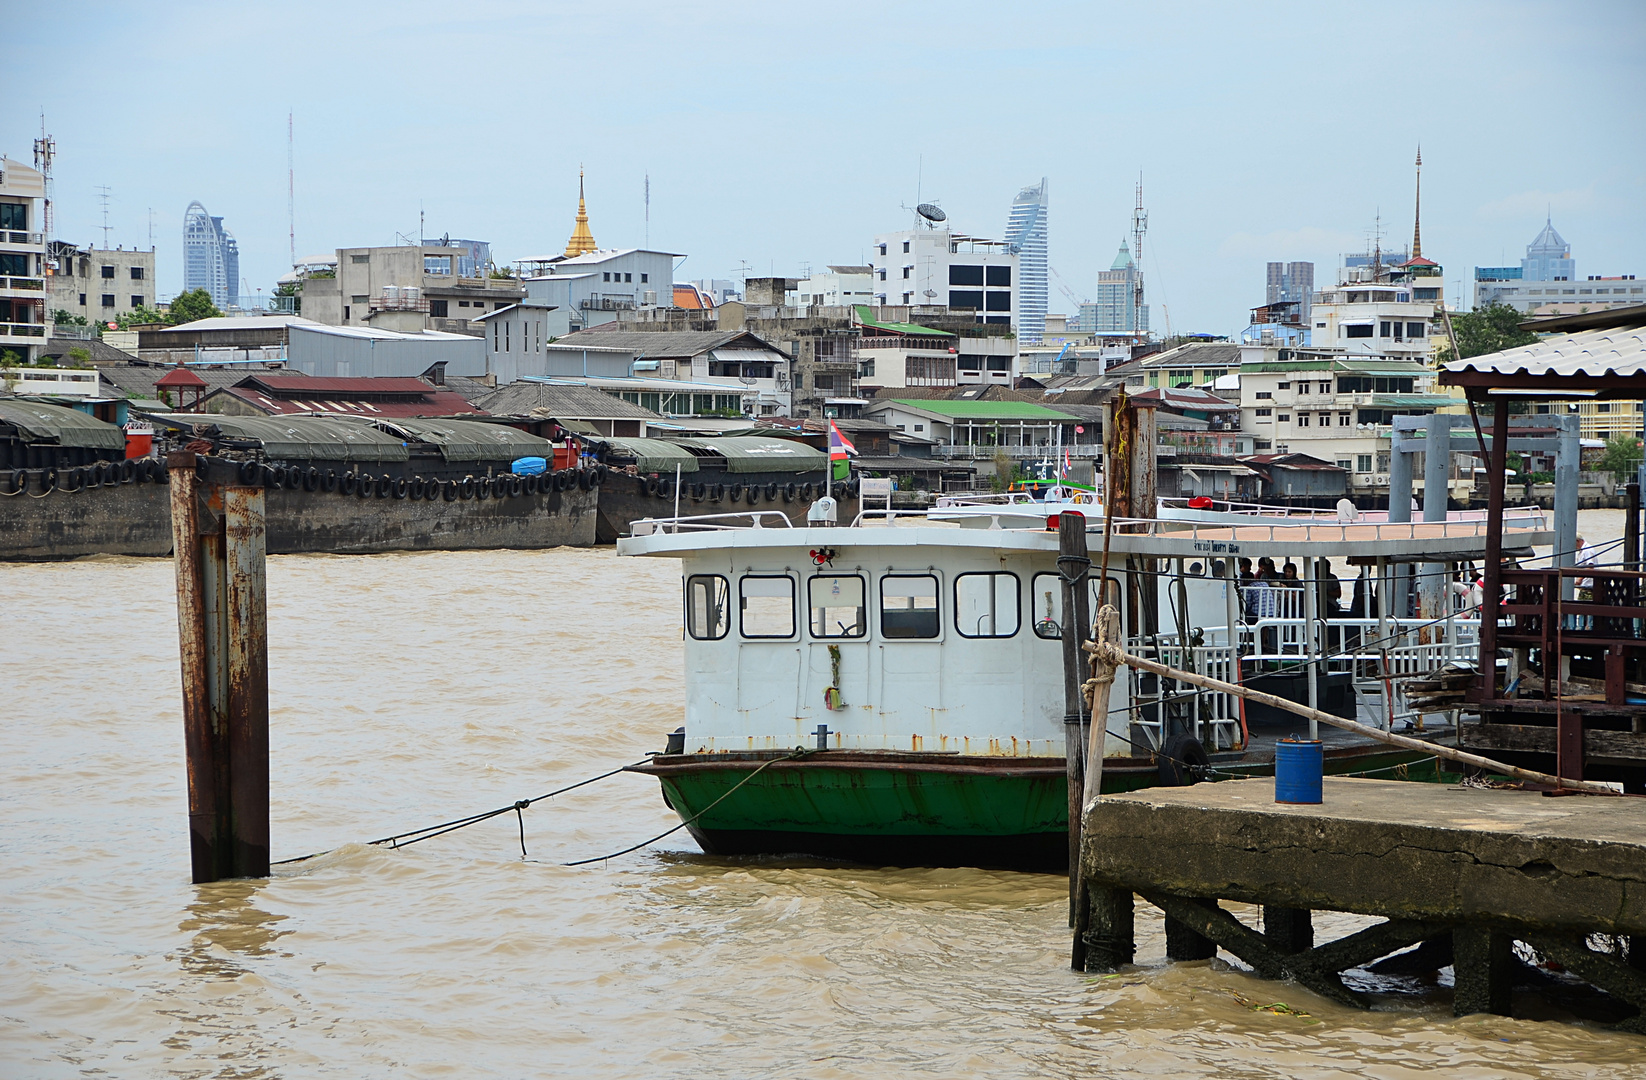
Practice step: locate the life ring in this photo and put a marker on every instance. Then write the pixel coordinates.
(349, 482)
(250, 472)
(466, 488)
(311, 479)
(449, 489)
(790, 490)
(1182, 761)
(400, 487)
(328, 482)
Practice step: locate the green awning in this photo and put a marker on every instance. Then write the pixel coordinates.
(474, 440)
(912, 329)
(300, 438)
(749, 454)
(655, 455)
(65, 427)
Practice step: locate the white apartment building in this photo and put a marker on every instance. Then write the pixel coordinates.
(1333, 406)
(939, 268)
(588, 290)
(24, 322)
(842, 285)
(1372, 318)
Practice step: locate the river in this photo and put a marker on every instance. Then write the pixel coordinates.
(408, 689)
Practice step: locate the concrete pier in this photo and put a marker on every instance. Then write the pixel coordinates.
(1460, 873)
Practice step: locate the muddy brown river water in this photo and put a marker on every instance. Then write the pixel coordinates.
(408, 689)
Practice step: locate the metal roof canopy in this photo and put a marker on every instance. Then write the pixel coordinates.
(1596, 365)
(68, 427)
(752, 454)
(656, 455)
(472, 440)
(328, 438)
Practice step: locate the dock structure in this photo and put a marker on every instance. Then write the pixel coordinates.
(1457, 874)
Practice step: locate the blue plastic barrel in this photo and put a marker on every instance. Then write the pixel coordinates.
(1299, 766)
(528, 466)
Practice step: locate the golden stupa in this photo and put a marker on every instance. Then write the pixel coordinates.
(582, 241)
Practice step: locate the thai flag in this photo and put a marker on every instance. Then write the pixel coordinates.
(840, 450)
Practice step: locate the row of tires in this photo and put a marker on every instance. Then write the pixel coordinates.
(81, 477)
(366, 485)
(752, 494)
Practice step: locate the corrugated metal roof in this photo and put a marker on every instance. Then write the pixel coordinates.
(653, 344)
(65, 427)
(301, 438)
(474, 440)
(1412, 401)
(1592, 353)
(561, 402)
(430, 403)
(982, 410)
(912, 329)
(748, 454)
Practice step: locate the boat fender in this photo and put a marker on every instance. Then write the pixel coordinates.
(128, 471)
(531, 484)
(737, 493)
(311, 479)
(648, 486)
(483, 488)
(349, 482)
(450, 489)
(368, 485)
(140, 470)
(19, 481)
(465, 488)
(567, 480)
(790, 490)
(717, 492)
(400, 488)
(1182, 761)
(584, 479)
(77, 478)
(771, 492)
(249, 471)
(597, 477)
(807, 491)
(517, 486)
(699, 490)
(273, 476)
(754, 494)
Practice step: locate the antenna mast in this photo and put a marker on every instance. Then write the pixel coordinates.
(648, 209)
(291, 192)
(103, 194)
(1140, 225)
(45, 148)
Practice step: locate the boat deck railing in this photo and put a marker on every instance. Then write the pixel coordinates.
(743, 519)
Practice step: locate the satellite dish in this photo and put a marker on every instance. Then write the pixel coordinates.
(931, 212)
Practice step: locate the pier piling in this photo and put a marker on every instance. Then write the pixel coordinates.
(222, 619)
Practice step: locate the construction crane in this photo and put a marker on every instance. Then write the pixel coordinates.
(1063, 287)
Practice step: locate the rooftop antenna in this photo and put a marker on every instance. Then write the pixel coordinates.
(1377, 245)
(151, 228)
(103, 194)
(1140, 225)
(1417, 209)
(291, 192)
(648, 209)
(45, 149)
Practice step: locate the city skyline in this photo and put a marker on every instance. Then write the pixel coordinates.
(514, 183)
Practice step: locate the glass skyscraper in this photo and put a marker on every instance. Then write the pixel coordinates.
(211, 259)
(1026, 235)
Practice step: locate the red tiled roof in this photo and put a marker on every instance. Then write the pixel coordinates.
(305, 385)
(181, 378)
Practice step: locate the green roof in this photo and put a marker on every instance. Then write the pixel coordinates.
(474, 440)
(300, 438)
(897, 327)
(655, 455)
(1412, 401)
(751, 454)
(984, 410)
(1283, 366)
(67, 427)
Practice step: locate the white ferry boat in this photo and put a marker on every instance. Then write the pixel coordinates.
(917, 667)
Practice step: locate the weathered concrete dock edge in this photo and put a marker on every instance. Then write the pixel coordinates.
(1465, 869)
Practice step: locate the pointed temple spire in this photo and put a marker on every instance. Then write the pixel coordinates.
(1417, 210)
(582, 241)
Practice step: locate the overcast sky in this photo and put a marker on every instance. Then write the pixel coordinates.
(784, 135)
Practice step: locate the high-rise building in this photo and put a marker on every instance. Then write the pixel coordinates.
(211, 259)
(23, 271)
(1026, 234)
(1115, 308)
(1548, 275)
(938, 268)
(1291, 283)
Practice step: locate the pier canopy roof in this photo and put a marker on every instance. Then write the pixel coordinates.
(40, 422)
(303, 438)
(758, 454)
(655, 455)
(1596, 364)
(472, 440)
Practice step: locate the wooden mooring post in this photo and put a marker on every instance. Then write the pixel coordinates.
(222, 621)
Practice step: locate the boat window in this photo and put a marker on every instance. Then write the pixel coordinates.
(986, 605)
(768, 606)
(708, 607)
(908, 606)
(837, 606)
(1046, 606)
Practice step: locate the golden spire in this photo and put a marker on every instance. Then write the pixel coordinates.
(582, 241)
(1417, 210)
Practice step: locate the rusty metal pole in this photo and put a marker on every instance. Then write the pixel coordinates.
(1493, 576)
(1073, 565)
(218, 538)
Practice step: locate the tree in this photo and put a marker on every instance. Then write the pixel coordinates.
(1486, 330)
(189, 306)
(140, 316)
(1621, 457)
(292, 289)
(65, 318)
